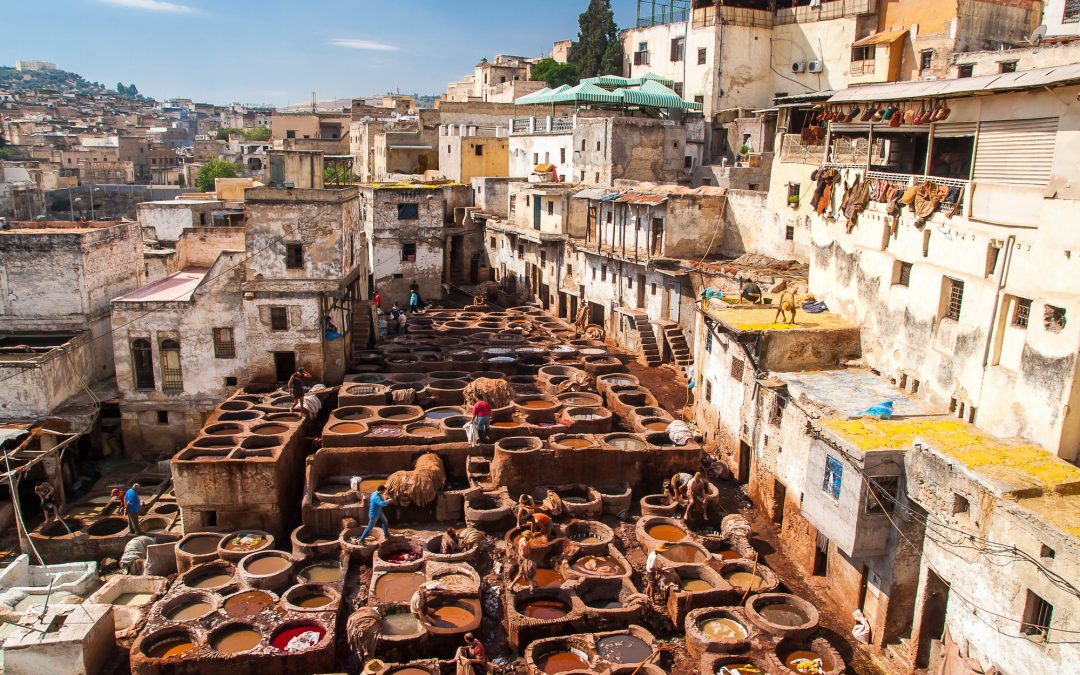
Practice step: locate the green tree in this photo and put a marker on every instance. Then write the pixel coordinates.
(132, 90)
(612, 62)
(120, 88)
(215, 168)
(257, 134)
(223, 134)
(596, 31)
(554, 73)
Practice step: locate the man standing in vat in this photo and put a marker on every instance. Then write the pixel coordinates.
(296, 389)
(481, 413)
(45, 493)
(376, 503)
(132, 504)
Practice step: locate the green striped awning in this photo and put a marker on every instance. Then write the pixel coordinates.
(608, 81)
(652, 94)
(533, 97)
(650, 77)
(586, 92)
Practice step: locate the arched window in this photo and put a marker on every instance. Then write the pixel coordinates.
(142, 364)
(172, 377)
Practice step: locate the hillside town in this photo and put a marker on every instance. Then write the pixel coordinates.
(699, 346)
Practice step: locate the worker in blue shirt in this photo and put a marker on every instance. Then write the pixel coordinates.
(131, 501)
(375, 513)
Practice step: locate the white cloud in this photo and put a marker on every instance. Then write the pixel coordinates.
(151, 6)
(352, 43)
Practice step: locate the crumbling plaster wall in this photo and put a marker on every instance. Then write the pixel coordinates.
(387, 235)
(31, 393)
(168, 221)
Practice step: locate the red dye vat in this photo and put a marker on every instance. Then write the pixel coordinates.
(281, 640)
(403, 557)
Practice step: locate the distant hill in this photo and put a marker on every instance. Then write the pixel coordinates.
(60, 80)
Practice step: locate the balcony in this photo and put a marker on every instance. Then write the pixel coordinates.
(796, 150)
(828, 9)
(530, 126)
(861, 68)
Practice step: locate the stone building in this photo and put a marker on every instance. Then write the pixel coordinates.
(56, 281)
(416, 233)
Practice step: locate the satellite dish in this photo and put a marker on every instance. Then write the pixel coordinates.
(1037, 35)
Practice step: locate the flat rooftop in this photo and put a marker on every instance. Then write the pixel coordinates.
(176, 287)
(55, 226)
(846, 392)
(747, 317)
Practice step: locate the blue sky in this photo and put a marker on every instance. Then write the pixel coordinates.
(279, 51)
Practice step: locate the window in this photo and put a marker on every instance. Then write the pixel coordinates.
(862, 53)
(678, 48)
(408, 211)
(708, 390)
(163, 417)
(789, 233)
(603, 273)
(551, 207)
(279, 319)
(569, 270)
(965, 70)
(562, 155)
(688, 162)
(521, 251)
(708, 340)
(699, 99)
(536, 158)
(294, 256)
(290, 134)
(492, 242)
(594, 274)
(1047, 552)
(142, 364)
(224, 345)
(1021, 313)
(653, 289)
(737, 367)
(1071, 14)
(777, 409)
(1007, 67)
(1037, 616)
(701, 55)
(583, 145)
(408, 251)
(1053, 318)
(834, 475)
(172, 376)
(960, 504)
(955, 299)
(479, 151)
(641, 56)
(882, 495)
(598, 146)
(543, 257)
(230, 381)
(926, 57)
(902, 274)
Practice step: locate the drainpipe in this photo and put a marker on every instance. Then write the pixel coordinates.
(1002, 276)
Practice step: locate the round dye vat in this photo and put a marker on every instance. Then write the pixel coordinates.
(666, 533)
(333, 488)
(314, 600)
(782, 614)
(348, 428)
(368, 485)
(604, 603)
(270, 564)
(441, 413)
(505, 425)
(270, 429)
(623, 649)
(727, 630)
(248, 603)
(170, 647)
(410, 671)
(399, 624)
(804, 661)
(657, 426)
(323, 573)
(727, 554)
(399, 416)
(684, 553)
(425, 430)
(572, 400)
(212, 581)
(537, 404)
(577, 443)
(398, 586)
(453, 580)
(107, 527)
(548, 578)
(545, 609)
(451, 615)
(575, 500)
(600, 565)
(237, 542)
(692, 585)
(739, 668)
(560, 662)
(235, 640)
(132, 599)
(743, 580)
(195, 609)
(626, 443)
(286, 639)
(201, 544)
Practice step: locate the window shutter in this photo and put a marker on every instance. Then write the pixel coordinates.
(1016, 152)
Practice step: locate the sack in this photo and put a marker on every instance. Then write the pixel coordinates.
(472, 434)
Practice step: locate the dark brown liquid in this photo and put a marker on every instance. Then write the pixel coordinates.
(548, 578)
(201, 545)
(248, 603)
(212, 581)
(683, 553)
(782, 615)
(623, 649)
(545, 609)
(321, 574)
(268, 565)
(560, 662)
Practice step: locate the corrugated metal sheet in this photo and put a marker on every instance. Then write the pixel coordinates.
(946, 130)
(887, 37)
(641, 198)
(1021, 79)
(1017, 152)
(591, 193)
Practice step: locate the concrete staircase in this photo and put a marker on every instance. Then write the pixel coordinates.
(650, 351)
(676, 342)
(360, 323)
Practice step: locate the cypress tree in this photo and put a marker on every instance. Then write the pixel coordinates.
(597, 35)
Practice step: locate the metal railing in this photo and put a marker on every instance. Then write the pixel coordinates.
(794, 150)
(523, 126)
(828, 9)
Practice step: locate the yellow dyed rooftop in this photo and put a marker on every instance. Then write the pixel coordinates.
(1021, 467)
(405, 185)
(761, 318)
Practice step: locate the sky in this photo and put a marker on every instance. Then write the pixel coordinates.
(279, 51)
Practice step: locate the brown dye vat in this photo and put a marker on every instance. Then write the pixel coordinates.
(398, 586)
(235, 543)
(576, 443)
(325, 573)
(248, 603)
(743, 580)
(804, 661)
(234, 640)
(268, 565)
(368, 485)
(201, 545)
(623, 649)
(782, 615)
(626, 443)
(270, 429)
(537, 404)
(314, 600)
(212, 581)
(545, 609)
(107, 527)
(683, 553)
(192, 610)
(348, 428)
(693, 585)
(400, 623)
(725, 630)
(166, 648)
(548, 578)
(727, 554)
(398, 417)
(666, 533)
(57, 528)
(425, 431)
(333, 489)
(411, 671)
(505, 425)
(657, 426)
(600, 565)
(560, 662)
(451, 615)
